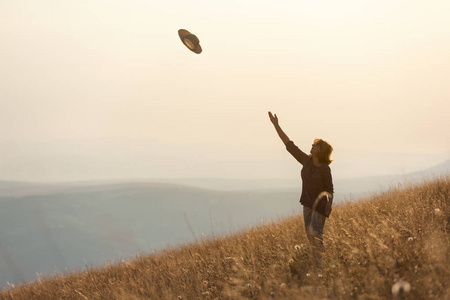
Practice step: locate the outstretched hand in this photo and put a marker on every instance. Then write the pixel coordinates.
(273, 118)
(281, 134)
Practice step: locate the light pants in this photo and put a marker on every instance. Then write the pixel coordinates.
(314, 222)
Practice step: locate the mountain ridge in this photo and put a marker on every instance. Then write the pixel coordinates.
(19, 188)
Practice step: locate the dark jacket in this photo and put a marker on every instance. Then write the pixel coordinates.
(315, 180)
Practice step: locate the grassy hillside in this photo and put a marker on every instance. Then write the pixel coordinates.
(401, 235)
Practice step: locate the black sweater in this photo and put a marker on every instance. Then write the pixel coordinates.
(315, 180)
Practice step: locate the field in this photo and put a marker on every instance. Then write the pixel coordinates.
(374, 246)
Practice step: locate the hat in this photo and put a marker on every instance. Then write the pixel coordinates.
(190, 41)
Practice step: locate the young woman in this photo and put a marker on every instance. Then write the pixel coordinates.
(317, 184)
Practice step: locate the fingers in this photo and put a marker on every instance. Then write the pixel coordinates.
(273, 119)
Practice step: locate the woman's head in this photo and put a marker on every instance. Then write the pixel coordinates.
(322, 150)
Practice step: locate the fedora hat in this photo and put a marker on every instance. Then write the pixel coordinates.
(190, 41)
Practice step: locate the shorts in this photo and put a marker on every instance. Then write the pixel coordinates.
(314, 222)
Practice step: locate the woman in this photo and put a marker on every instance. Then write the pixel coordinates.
(317, 184)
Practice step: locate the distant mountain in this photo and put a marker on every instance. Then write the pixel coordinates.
(350, 185)
(344, 187)
(357, 187)
(438, 170)
(91, 225)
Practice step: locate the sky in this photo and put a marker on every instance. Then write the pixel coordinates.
(106, 90)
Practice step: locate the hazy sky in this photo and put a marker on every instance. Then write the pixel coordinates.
(95, 89)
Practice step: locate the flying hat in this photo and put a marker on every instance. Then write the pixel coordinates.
(190, 41)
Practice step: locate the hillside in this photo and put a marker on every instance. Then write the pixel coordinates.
(398, 235)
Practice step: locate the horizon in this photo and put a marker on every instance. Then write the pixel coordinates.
(195, 181)
(142, 167)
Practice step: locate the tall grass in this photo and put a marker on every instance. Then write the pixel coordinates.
(398, 236)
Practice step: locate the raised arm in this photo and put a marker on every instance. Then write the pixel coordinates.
(281, 134)
(298, 154)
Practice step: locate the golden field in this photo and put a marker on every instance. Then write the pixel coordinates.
(371, 246)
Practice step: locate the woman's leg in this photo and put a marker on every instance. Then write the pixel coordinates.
(307, 214)
(314, 224)
(317, 225)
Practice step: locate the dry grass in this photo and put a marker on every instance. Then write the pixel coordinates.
(399, 235)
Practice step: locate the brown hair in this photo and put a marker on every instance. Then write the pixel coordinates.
(325, 151)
